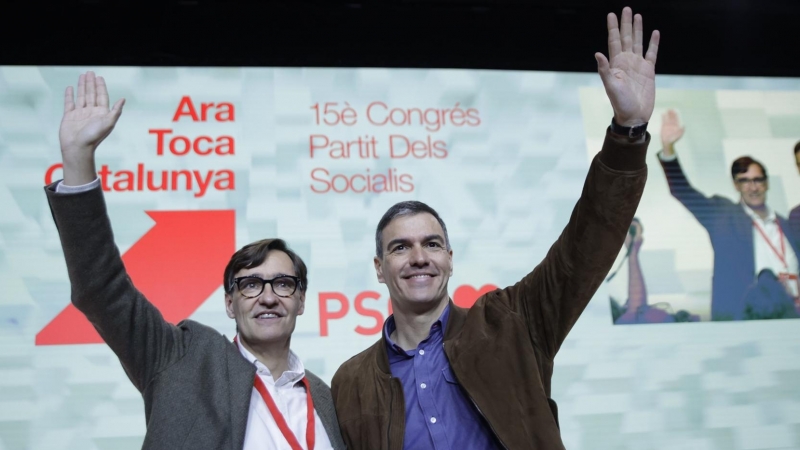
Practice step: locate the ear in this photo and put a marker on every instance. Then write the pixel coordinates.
(378, 269)
(450, 257)
(302, 300)
(229, 306)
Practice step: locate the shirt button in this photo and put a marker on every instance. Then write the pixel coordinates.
(433, 419)
(422, 352)
(423, 385)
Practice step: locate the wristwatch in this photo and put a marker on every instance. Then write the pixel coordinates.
(632, 132)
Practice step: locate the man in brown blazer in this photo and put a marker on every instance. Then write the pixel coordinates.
(201, 390)
(443, 377)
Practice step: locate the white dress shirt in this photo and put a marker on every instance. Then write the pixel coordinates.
(289, 395)
(765, 256)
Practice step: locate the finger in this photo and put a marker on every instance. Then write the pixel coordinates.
(602, 66)
(626, 29)
(102, 92)
(637, 35)
(69, 101)
(81, 100)
(614, 45)
(91, 91)
(116, 110)
(652, 47)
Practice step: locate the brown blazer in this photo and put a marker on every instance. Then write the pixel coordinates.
(511, 335)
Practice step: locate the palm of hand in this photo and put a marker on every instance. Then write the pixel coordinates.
(671, 132)
(632, 87)
(86, 126)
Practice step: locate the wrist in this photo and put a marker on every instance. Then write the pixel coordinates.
(635, 131)
(629, 121)
(78, 170)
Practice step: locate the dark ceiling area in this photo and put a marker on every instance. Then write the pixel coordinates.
(701, 37)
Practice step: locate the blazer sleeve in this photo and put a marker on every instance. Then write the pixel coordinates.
(555, 293)
(794, 224)
(703, 208)
(101, 289)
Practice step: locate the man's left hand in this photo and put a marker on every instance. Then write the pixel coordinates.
(628, 75)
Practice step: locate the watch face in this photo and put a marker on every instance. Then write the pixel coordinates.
(637, 131)
(631, 132)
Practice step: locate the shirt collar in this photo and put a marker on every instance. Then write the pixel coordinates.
(293, 375)
(749, 211)
(395, 351)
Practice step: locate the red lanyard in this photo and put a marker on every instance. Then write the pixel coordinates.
(782, 254)
(287, 433)
(280, 421)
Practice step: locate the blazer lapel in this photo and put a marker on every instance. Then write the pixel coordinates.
(241, 375)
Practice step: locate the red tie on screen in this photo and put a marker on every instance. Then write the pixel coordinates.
(279, 420)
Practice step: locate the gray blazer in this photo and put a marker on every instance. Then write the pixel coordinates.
(195, 384)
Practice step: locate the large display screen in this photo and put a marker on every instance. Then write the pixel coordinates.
(206, 160)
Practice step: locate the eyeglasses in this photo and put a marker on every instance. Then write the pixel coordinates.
(282, 286)
(757, 181)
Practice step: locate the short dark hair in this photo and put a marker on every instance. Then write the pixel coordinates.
(408, 208)
(742, 164)
(255, 253)
(797, 148)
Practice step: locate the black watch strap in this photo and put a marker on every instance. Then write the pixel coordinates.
(632, 132)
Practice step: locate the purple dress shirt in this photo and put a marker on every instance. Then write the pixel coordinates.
(439, 414)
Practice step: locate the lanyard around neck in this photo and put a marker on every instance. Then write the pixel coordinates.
(782, 254)
(280, 421)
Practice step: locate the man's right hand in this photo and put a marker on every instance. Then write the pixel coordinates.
(671, 131)
(87, 121)
(634, 239)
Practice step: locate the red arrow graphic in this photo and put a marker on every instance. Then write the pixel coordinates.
(177, 265)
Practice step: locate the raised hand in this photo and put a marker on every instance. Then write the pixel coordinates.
(87, 121)
(636, 238)
(671, 131)
(627, 74)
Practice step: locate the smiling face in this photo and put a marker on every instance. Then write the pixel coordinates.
(753, 186)
(266, 319)
(415, 264)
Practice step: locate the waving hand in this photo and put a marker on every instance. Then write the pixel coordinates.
(629, 75)
(87, 121)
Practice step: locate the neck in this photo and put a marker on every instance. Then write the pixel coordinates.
(414, 326)
(761, 211)
(274, 356)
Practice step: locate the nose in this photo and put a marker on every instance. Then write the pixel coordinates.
(268, 297)
(418, 256)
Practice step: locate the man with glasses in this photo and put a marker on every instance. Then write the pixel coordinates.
(200, 389)
(755, 251)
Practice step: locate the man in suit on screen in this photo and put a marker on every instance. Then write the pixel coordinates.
(755, 251)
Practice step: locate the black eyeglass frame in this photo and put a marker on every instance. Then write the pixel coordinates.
(264, 283)
(758, 181)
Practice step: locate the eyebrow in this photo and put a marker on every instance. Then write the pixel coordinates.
(261, 275)
(428, 238)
